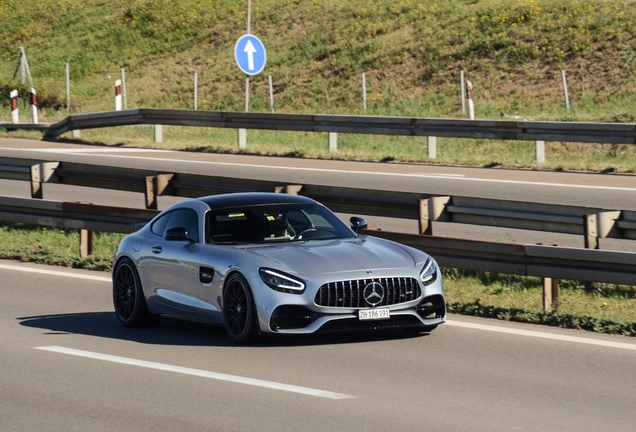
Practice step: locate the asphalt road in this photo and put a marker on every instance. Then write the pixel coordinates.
(609, 191)
(66, 364)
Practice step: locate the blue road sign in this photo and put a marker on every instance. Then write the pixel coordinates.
(250, 54)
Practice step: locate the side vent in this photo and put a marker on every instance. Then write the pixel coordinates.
(206, 275)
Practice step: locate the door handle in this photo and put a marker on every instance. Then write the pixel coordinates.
(157, 249)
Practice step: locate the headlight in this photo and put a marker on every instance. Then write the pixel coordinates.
(429, 272)
(281, 281)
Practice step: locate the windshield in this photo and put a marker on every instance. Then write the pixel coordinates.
(274, 223)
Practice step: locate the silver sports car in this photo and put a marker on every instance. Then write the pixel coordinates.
(271, 263)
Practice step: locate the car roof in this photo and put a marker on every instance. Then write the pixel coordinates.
(253, 198)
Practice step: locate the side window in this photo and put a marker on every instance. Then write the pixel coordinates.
(185, 219)
(159, 226)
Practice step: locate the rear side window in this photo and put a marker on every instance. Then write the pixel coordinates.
(158, 227)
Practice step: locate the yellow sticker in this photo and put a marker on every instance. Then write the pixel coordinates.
(236, 215)
(271, 218)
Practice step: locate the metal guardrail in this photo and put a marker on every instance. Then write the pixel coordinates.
(525, 260)
(592, 223)
(43, 127)
(618, 133)
(34, 171)
(82, 216)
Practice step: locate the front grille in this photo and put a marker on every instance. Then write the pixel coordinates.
(350, 294)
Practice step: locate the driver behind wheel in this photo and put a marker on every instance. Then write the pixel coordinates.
(277, 226)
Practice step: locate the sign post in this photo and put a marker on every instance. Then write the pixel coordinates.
(250, 56)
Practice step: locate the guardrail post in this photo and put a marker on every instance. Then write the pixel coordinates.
(333, 142)
(242, 138)
(539, 151)
(36, 182)
(432, 209)
(426, 226)
(155, 186)
(606, 224)
(76, 133)
(289, 189)
(86, 243)
(591, 232)
(158, 134)
(150, 194)
(550, 294)
(41, 173)
(432, 147)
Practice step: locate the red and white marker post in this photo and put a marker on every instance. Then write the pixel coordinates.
(118, 97)
(15, 116)
(34, 105)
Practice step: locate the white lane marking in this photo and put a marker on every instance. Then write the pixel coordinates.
(536, 334)
(55, 273)
(376, 173)
(448, 175)
(96, 150)
(197, 372)
(373, 173)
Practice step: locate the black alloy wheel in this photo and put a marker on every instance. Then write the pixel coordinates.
(238, 310)
(128, 297)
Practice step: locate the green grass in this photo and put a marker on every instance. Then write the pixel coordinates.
(604, 308)
(55, 246)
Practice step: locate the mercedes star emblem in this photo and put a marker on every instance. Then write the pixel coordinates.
(373, 293)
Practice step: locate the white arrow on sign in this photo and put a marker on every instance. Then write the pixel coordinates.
(254, 62)
(250, 50)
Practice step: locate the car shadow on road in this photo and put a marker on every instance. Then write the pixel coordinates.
(186, 333)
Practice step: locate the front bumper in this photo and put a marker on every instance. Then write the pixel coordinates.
(286, 313)
(295, 319)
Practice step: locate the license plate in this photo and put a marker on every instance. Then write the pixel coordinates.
(373, 314)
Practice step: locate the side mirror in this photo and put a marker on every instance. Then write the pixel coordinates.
(357, 223)
(177, 234)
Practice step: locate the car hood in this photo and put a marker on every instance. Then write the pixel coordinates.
(332, 256)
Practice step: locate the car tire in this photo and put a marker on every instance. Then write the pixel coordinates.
(128, 297)
(239, 313)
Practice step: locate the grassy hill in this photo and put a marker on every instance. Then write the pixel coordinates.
(411, 51)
